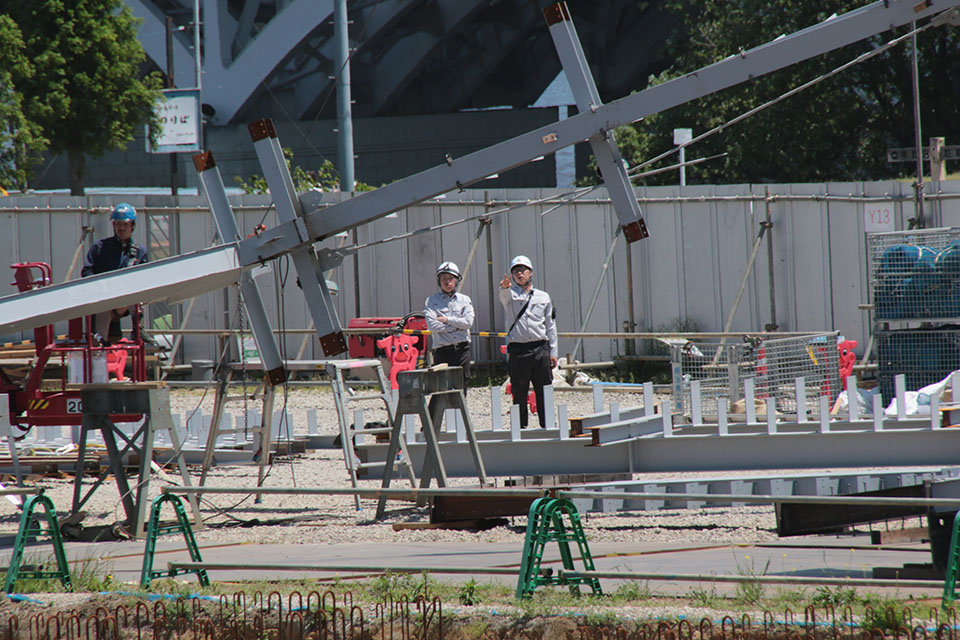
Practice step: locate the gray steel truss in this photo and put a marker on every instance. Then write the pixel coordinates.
(652, 445)
(457, 173)
(804, 484)
(187, 276)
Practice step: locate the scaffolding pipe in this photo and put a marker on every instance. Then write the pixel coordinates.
(766, 579)
(240, 566)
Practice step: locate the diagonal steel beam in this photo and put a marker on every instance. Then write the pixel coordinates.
(309, 271)
(249, 292)
(172, 279)
(459, 172)
(603, 144)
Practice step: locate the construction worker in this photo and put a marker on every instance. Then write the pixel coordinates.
(109, 254)
(531, 338)
(449, 317)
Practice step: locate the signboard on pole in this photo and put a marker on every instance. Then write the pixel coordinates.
(909, 154)
(179, 115)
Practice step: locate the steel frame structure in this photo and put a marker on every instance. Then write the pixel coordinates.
(303, 224)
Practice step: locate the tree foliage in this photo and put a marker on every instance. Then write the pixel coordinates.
(86, 90)
(837, 130)
(21, 141)
(323, 179)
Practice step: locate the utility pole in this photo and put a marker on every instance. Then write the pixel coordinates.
(170, 85)
(344, 115)
(918, 143)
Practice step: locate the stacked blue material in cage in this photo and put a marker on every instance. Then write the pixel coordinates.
(918, 282)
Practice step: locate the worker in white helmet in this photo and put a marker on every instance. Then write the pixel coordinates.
(531, 338)
(449, 315)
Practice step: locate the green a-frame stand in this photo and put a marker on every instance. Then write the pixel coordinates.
(30, 529)
(155, 529)
(545, 524)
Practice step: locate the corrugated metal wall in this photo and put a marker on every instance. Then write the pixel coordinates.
(690, 268)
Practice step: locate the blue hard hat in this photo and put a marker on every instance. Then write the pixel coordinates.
(124, 212)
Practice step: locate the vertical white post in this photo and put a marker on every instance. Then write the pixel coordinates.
(562, 422)
(824, 414)
(648, 408)
(800, 388)
(667, 424)
(934, 410)
(496, 408)
(722, 427)
(955, 387)
(358, 423)
(877, 412)
(853, 403)
(450, 420)
(900, 389)
(597, 398)
(750, 401)
(549, 409)
(614, 412)
(312, 422)
(514, 422)
(771, 416)
(696, 406)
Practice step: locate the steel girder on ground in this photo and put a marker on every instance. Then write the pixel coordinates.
(543, 452)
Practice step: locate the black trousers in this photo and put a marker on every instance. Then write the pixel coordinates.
(529, 362)
(455, 355)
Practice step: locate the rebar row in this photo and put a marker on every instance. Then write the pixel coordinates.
(328, 616)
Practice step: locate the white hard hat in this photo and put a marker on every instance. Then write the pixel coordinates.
(449, 267)
(521, 261)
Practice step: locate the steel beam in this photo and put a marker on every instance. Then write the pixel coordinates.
(172, 279)
(309, 272)
(603, 144)
(459, 172)
(249, 292)
(655, 454)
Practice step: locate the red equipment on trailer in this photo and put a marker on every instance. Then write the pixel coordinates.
(81, 360)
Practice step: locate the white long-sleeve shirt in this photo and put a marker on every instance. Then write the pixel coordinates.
(458, 309)
(537, 321)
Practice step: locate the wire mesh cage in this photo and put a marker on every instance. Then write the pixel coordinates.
(916, 274)
(923, 356)
(774, 364)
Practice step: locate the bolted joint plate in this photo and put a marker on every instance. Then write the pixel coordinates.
(636, 231)
(333, 343)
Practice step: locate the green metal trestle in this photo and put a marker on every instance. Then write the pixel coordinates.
(155, 528)
(545, 524)
(31, 529)
(953, 566)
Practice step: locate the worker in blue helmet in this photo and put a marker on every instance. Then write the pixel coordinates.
(109, 254)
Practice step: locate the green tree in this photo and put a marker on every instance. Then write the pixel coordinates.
(86, 91)
(21, 141)
(837, 130)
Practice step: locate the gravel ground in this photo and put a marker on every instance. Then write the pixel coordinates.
(296, 519)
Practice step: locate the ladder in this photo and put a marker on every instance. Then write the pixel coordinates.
(262, 433)
(342, 397)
